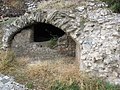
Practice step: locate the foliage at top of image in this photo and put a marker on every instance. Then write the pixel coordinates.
(113, 4)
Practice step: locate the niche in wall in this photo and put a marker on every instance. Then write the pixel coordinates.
(45, 32)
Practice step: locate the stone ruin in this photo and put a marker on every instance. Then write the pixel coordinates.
(93, 27)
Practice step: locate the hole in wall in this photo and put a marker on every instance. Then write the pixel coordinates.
(45, 32)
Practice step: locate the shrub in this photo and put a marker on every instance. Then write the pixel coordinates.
(114, 5)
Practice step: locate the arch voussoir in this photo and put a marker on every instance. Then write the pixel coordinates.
(56, 18)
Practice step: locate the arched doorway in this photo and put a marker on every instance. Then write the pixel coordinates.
(41, 39)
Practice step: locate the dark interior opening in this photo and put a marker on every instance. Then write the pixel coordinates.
(45, 32)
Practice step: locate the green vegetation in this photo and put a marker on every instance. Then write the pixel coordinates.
(114, 5)
(30, 85)
(52, 42)
(63, 86)
(95, 84)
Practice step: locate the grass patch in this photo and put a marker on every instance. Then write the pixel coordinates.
(61, 74)
(63, 86)
(10, 65)
(6, 59)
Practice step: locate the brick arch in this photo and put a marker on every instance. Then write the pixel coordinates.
(58, 19)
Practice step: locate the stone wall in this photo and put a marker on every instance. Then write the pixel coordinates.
(94, 28)
(66, 46)
(8, 83)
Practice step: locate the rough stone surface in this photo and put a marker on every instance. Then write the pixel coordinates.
(8, 83)
(95, 28)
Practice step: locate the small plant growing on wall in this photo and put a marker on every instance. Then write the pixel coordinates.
(52, 42)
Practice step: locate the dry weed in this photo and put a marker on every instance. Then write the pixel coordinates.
(42, 75)
(48, 72)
